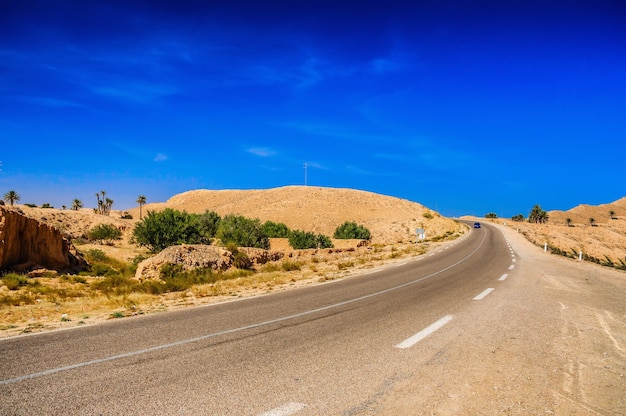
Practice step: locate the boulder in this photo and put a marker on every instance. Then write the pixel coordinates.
(189, 256)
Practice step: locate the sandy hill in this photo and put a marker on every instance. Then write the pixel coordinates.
(582, 213)
(317, 209)
(605, 241)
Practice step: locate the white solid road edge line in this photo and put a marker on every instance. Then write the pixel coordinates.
(484, 293)
(409, 342)
(285, 410)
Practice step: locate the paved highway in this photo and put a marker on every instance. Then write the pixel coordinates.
(331, 349)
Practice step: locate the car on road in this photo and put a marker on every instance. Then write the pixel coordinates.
(476, 225)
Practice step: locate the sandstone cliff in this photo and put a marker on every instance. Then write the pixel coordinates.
(27, 244)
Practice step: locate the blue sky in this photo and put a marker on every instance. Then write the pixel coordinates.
(465, 107)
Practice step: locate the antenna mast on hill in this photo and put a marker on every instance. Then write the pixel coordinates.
(306, 168)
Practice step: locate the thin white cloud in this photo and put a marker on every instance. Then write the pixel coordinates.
(261, 151)
(160, 157)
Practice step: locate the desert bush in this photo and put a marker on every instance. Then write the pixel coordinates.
(276, 230)
(46, 205)
(104, 233)
(242, 231)
(349, 230)
(290, 266)
(102, 265)
(491, 215)
(126, 216)
(159, 230)
(428, 215)
(31, 205)
(324, 241)
(94, 255)
(115, 284)
(14, 281)
(518, 217)
(300, 240)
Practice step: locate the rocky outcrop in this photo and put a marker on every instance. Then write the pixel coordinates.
(197, 256)
(27, 244)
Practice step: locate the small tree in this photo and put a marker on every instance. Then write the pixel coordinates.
(518, 217)
(592, 222)
(349, 230)
(569, 222)
(612, 215)
(104, 233)
(141, 200)
(537, 215)
(11, 197)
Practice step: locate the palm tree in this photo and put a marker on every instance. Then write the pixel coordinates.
(77, 204)
(538, 215)
(141, 200)
(12, 197)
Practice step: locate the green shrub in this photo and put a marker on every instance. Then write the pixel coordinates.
(491, 215)
(300, 240)
(242, 231)
(31, 205)
(94, 255)
(350, 230)
(276, 230)
(14, 281)
(126, 216)
(324, 241)
(46, 205)
(104, 233)
(159, 230)
(115, 284)
(428, 215)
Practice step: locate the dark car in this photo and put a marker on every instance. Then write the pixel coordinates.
(476, 225)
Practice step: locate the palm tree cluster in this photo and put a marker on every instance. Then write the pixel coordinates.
(104, 205)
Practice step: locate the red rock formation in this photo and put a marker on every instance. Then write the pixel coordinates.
(27, 244)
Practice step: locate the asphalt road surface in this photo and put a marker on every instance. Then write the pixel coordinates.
(330, 349)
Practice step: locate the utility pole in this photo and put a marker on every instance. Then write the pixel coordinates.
(306, 168)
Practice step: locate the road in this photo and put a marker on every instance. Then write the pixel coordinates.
(330, 349)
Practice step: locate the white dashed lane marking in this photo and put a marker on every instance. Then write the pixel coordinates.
(511, 267)
(504, 276)
(484, 293)
(409, 342)
(285, 410)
